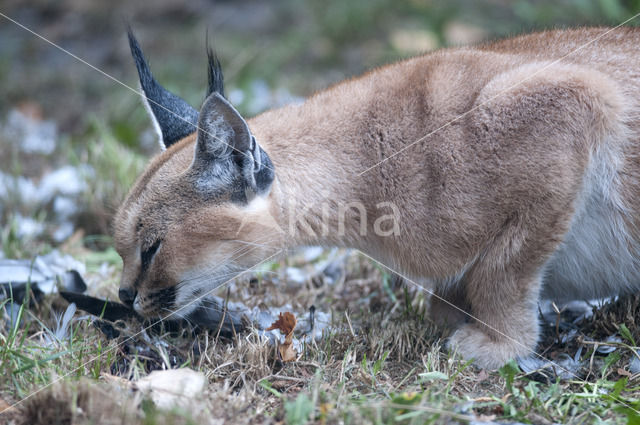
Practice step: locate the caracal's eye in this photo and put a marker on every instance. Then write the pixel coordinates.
(147, 255)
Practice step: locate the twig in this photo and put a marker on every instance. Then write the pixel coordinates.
(224, 315)
(346, 314)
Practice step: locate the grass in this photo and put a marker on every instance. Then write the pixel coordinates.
(115, 167)
(382, 362)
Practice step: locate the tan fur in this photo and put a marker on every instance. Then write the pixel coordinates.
(490, 206)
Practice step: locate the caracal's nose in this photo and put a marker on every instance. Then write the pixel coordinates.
(127, 295)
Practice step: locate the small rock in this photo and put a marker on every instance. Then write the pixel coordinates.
(173, 388)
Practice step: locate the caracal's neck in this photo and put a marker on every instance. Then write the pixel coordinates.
(322, 151)
(315, 152)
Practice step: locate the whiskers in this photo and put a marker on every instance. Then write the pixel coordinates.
(251, 243)
(179, 313)
(218, 269)
(212, 277)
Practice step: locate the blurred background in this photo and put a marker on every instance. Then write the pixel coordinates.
(72, 140)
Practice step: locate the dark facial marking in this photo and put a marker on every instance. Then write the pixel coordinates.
(165, 298)
(147, 255)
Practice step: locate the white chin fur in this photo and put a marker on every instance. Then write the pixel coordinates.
(189, 295)
(136, 306)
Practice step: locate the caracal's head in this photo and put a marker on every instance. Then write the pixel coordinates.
(202, 210)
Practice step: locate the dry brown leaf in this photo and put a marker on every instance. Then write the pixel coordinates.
(287, 352)
(286, 323)
(623, 372)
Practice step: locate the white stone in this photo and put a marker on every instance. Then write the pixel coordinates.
(174, 387)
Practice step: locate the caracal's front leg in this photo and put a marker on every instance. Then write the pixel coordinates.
(502, 289)
(448, 307)
(504, 324)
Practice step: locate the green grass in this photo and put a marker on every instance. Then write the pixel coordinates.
(392, 370)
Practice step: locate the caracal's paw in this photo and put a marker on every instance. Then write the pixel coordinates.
(489, 353)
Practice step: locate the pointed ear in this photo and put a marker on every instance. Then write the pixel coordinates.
(221, 129)
(173, 118)
(225, 144)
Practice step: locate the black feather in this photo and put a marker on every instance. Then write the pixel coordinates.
(175, 117)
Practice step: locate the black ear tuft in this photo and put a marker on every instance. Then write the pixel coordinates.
(216, 80)
(173, 117)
